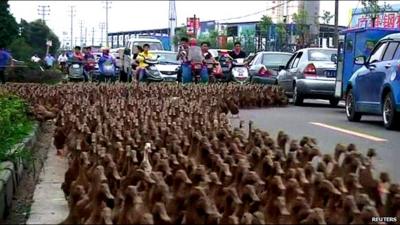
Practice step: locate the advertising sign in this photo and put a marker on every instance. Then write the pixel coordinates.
(192, 25)
(388, 19)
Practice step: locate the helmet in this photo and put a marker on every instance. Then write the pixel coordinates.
(193, 41)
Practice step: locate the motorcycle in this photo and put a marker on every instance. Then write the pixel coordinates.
(214, 70)
(151, 73)
(196, 70)
(239, 71)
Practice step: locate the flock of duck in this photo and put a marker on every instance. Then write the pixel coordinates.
(168, 154)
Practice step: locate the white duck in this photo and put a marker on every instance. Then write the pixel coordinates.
(145, 164)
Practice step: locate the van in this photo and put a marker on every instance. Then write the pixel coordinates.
(155, 44)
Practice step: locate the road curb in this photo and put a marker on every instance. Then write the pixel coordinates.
(11, 172)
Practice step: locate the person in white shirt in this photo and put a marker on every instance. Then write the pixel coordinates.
(62, 61)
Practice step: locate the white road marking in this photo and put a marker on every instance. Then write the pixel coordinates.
(366, 136)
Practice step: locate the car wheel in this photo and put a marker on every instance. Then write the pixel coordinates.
(351, 114)
(334, 102)
(297, 98)
(390, 116)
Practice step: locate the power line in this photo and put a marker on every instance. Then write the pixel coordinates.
(255, 13)
(43, 11)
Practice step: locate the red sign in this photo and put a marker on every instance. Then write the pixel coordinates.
(192, 25)
(386, 20)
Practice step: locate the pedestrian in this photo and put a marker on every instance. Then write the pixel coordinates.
(49, 59)
(126, 72)
(5, 59)
(62, 62)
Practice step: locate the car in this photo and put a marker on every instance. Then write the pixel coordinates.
(265, 66)
(375, 87)
(168, 65)
(310, 73)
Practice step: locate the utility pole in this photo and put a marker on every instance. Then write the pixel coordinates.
(85, 36)
(102, 26)
(172, 23)
(194, 26)
(43, 11)
(81, 36)
(336, 37)
(108, 6)
(92, 36)
(72, 14)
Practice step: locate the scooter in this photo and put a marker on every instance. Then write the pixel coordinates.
(239, 71)
(215, 73)
(151, 73)
(75, 71)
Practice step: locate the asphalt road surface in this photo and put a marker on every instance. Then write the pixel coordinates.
(330, 127)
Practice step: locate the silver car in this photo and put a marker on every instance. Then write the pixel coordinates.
(168, 65)
(265, 66)
(310, 73)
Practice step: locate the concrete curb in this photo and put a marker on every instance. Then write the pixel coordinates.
(11, 172)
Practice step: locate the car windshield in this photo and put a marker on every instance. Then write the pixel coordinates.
(320, 54)
(167, 57)
(275, 59)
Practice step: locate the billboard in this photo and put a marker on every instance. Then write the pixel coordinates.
(388, 19)
(192, 25)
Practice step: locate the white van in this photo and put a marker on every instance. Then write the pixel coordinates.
(155, 44)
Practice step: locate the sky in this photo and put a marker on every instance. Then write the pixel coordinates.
(138, 15)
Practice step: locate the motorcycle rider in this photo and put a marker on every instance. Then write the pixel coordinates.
(141, 58)
(88, 56)
(182, 55)
(207, 55)
(106, 58)
(237, 52)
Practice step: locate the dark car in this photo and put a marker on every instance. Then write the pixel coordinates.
(375, 87)
(310, 73)
(265, 66)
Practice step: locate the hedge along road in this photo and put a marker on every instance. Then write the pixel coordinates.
(330, 127)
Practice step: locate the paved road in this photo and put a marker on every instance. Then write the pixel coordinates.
(330, 126)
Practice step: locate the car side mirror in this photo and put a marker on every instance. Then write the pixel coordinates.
(282, 68)
(334, 58)
(360, 60)
(158, 56)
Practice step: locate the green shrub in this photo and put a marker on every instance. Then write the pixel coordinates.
(31, 73)
(14, 125)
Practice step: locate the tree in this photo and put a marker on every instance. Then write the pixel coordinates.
(265, 25)
(248, 36)
(372, 9)
(281, 32)
(211, 38)
(302, 28)
(8, 25)
(180, 33)
(326, 17)
(36, 34)
(21, 50)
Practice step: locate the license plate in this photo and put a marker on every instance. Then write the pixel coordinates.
(197, 66)
(240, 74)
(75, 66)
(330, 73)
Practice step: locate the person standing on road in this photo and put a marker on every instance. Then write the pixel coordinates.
(126, 72)
(237, 52)
(5, 59)
(62, 61)
(49, 59)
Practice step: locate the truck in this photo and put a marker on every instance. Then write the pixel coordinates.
(353, 43)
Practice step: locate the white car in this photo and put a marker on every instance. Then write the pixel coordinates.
(168, 65)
